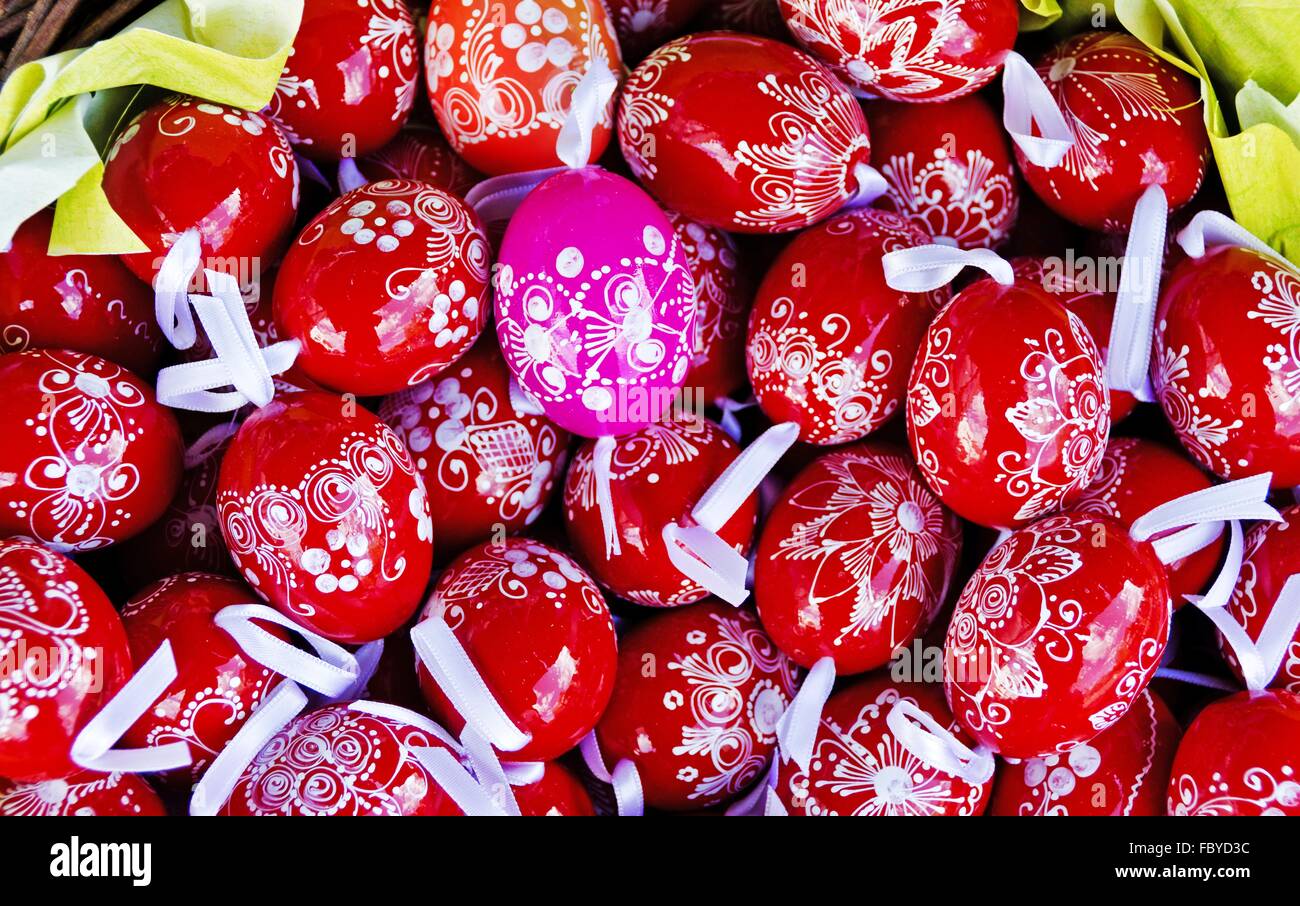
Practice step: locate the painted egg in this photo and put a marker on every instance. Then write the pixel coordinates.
(63, 655)
(185, 163)
(538, 631)
(948, 169)
(326, 517)
(420, 152)
(657, 475)
(92, 457)
(82, 794)
(907, 50)
(784, 138)
(831, 344)
(1056, 635)
(487, 466)
(350, 79)
(643, 25)
(700, 727)
(86, 303)
(1007, 411)
(855, 559)
(385, 288)
(501, 77)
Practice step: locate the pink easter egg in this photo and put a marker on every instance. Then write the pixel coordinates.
(595, 303)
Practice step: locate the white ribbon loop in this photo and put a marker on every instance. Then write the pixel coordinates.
(284, 703)
(350, 176)
(923, 736)
(457, 782)
(927, 267)
(586, 109)
(447, 661)
(625, 780)
(1129, 359)
(489, 771)
(729, 423)
(497, 198)
(871, 185)
(697, 551)
(367, 657)
(1259, 659)
(796, 731)
(1026, 101)
(1185, 542)
(602, 458)
(1220, 590)
(240, 363)
(333, 671)
(1245, 498)
(171, 288)
(1210, 229)
(93, 747)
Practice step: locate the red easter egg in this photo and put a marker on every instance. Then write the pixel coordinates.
(326, 517)
(87, 303)
(350, 79)
(1056, 634)
(82, 794)
(1239, 758)
(1137, 476)
(657, 475)
(907, 50)
(419, 152)
(1094, 307)
(501, 77)
(1272, 556)
(187, 536)
(1225, 366)
(948, 169)
(63, 655)
(831, 344)
(859, 769)
(643, 25)
(484, 463)
(337, 760)
(1007, 412)
(385, 288)
(185, 163)
(701, 726)
(217, 686)
(1123, 771)
(92, 457)
(1137, 121)
(723, 294)
(558, 792)
(540, 634)
(742, 133)
(855, 559)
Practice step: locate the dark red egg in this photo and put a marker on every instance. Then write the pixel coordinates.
(1239, 758)
(350, 79)
(783, 136)
(1007, 411)
(907, 50)
(948, 168)
(326, 517)
(1056, 635)
(700, 727)
(63, 655)
(419, 152)
(86, 303)
(538, 631)
(1136, 120)
(831, 344)
(855, 559)
(185, 163)
(92, 457)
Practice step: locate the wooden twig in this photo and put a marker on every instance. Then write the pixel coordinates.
(97, 27)
(44, 22)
